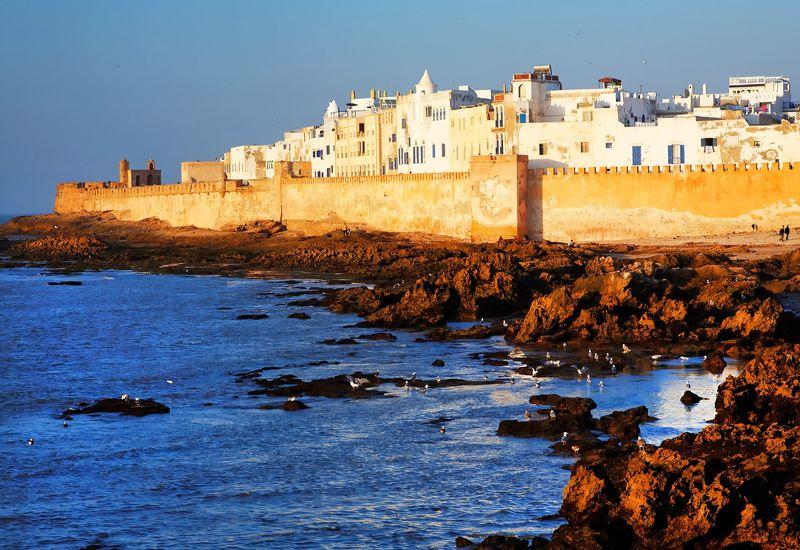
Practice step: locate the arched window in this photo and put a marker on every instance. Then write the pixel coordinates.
(149, 179)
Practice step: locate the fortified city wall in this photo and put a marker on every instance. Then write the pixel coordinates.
(499, 196)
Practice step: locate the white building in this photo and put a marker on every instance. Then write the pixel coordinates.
(423, 124)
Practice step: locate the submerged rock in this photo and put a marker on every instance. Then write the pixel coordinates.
(293, 405)
(121, 405)
(64, 283)
(387, 336)
(254, 316)
(690, 398)
(299, 315)
(340, 342)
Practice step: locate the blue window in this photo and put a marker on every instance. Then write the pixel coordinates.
(442, 149)
(523, 118)
(636, 154)
(433, 150)
(675, 154)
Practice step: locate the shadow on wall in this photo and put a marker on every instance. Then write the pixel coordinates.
(534, 207)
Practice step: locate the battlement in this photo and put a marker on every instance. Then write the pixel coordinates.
(668, 168)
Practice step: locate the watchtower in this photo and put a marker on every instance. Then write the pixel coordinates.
(123, 172)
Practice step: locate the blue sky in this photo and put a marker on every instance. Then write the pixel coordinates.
(87, 82)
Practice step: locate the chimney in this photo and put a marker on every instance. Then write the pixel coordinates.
(352, 95)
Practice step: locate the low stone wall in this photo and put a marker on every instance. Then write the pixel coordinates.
(629, 203)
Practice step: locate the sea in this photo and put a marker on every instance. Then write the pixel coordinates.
(218, 472)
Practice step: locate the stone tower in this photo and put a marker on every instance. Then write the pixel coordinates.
(123, 172)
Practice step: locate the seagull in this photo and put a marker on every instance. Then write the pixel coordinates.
(576, 449)
(292, 398)
(537, 384)
(31, 441)
(654, 357)
(640, 442)
(485, 378)
(625, 348)
(438, 380)
(505, 323)
(535, 370)
(596, 357)
(66, 425)
(547, 355)
(588, 378)
(423, 390)
(413, 376)
(124, 397)
(564, 345)
(684, 358)
(169, 381)
(613, 368)
(552, 414)
(688, 385)
(590, 352)
(442, 430)
(527, 414)
(353, 383)
(406, 385)
(601, 384)
(564, 438)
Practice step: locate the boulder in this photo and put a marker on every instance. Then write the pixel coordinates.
(690, 398)
(121, 405)
(293, 405)
(624, 424)
(715, 362)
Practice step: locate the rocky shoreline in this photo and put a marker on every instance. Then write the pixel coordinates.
(733, 484)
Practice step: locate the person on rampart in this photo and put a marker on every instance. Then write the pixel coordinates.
(786, 232)
(782, 232)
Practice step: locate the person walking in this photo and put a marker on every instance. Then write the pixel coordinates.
(786, 232)
(782, 232)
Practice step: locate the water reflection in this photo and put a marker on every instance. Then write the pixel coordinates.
(343, 473)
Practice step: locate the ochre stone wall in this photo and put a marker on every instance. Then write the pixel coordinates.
(457, 204)
(629, 203)
(498, 197)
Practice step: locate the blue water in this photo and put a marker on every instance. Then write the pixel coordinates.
(342, 474)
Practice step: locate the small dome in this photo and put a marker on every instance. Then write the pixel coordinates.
(332, 109)
(426, 84)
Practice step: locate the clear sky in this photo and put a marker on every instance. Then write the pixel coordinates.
(87, 82)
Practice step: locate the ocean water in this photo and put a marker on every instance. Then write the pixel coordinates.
(342, 474)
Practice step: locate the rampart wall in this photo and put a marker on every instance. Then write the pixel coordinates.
(480, 204)
(635, 202)
(499, 196)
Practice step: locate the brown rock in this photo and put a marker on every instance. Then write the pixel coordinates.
(293, 405)
(715, 362)
(755, 318)
(690, 398)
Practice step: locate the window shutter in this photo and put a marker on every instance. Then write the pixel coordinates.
(670, 156)
(683, 158)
